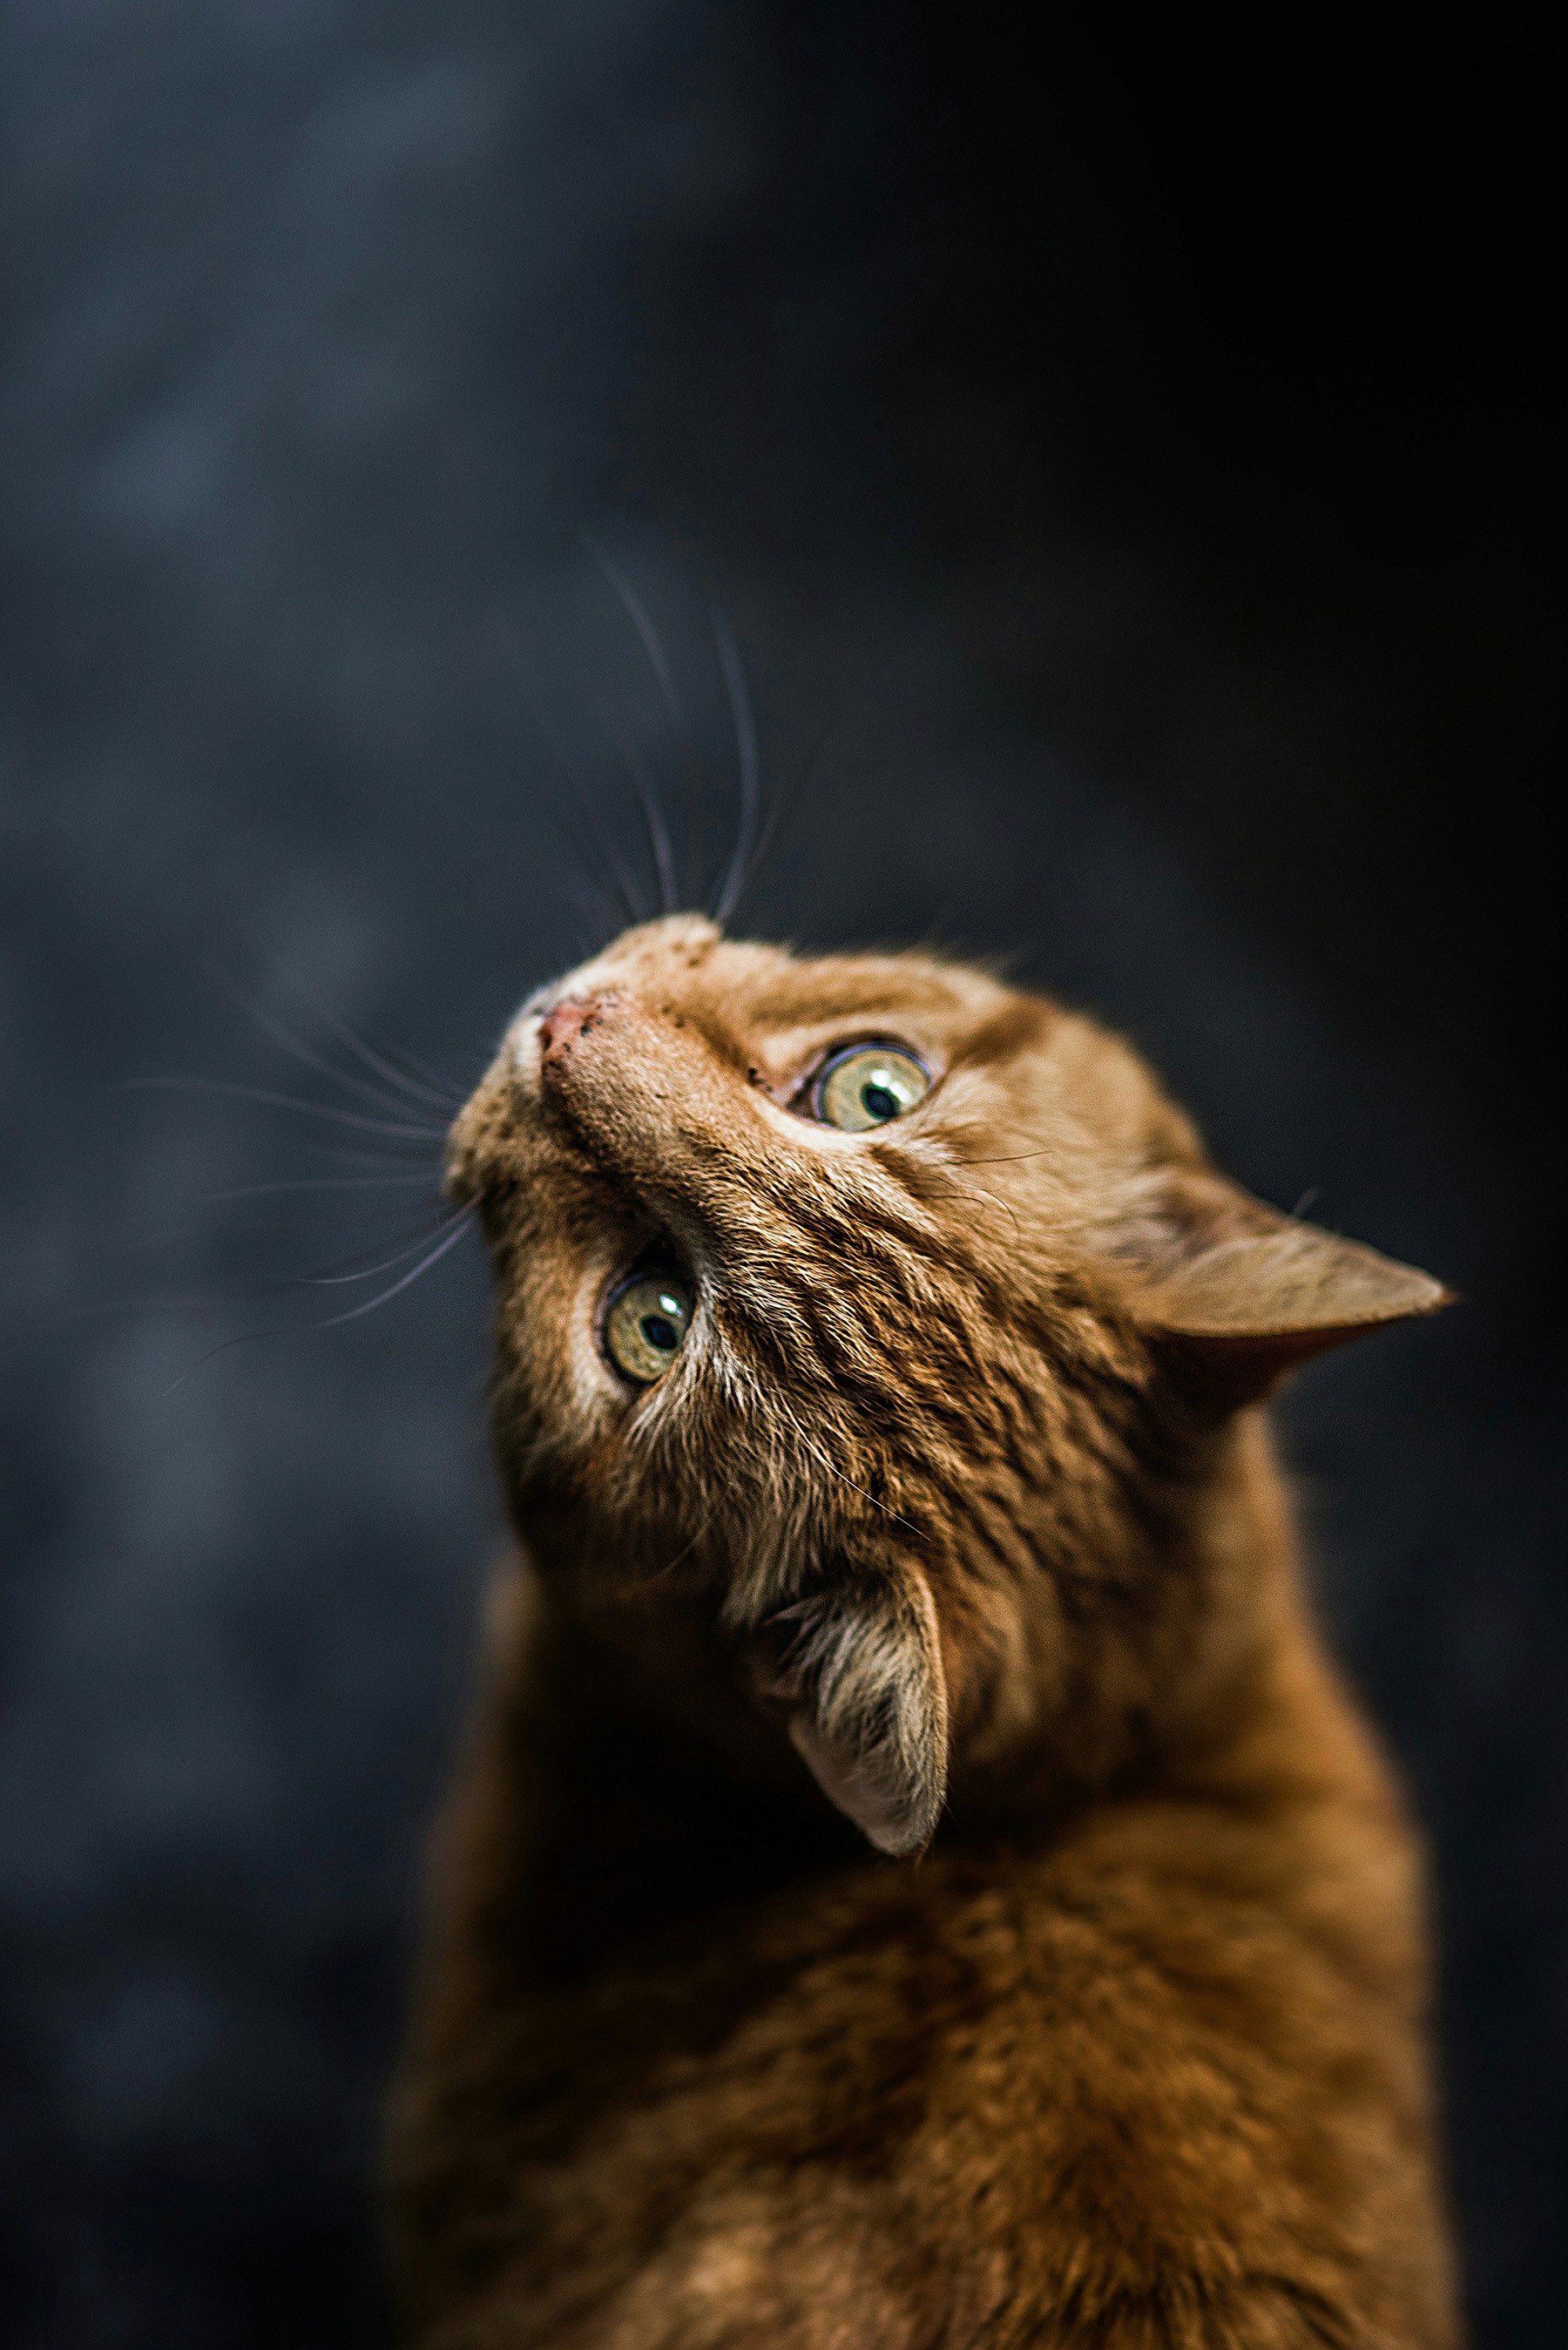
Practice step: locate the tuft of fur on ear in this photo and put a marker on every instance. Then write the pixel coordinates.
(858, 1671)
(1242, 1293)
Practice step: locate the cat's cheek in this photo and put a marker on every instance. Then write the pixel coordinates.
(522, 1046)
(795, 1131)
(598, 1398)
(556, 1316)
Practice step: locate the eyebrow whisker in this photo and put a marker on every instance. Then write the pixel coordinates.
(977, 1191)
(851, 712)
(642, 621)
(747, 761)
(653, 821)
(601, 866)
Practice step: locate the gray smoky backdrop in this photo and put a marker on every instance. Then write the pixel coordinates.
(1114, 452)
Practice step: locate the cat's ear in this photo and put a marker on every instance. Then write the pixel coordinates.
(1240, 1293)
(857, 1672)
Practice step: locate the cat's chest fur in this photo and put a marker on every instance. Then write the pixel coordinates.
(1153, 2076)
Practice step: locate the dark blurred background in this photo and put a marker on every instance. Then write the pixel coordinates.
(1120, 447)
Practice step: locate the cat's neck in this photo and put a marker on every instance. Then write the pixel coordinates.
(1233, 1699)
(652, 1739)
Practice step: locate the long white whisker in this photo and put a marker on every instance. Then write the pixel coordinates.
(642, 621)
(298, 1050)
(765, 833)
(368, 1272)
(335, 1321)
(876, 1504)
(436, 1089)
(458, 1225)
(344, 1154)
(840, 727)
(324, 1183)
(802, 1438)
(591, 845)
(283, 1101)
(627, 886)
(653, 821)
(746, 753)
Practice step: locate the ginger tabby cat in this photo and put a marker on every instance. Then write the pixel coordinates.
(876, 1396)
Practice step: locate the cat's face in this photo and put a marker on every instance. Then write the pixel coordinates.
(826, 1288)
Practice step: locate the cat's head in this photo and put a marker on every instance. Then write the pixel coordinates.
(898, 1316)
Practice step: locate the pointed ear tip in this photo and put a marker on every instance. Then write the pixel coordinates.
(912, 1850)
(912, 1841)
(899, 1824)
(1413, 1297)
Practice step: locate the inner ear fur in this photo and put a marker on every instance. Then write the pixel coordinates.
(857, 1671)
(1239, 1294)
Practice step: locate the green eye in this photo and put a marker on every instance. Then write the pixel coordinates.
(869, 1085)
(648, 1320)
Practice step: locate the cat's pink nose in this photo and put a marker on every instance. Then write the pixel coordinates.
(560, 1028)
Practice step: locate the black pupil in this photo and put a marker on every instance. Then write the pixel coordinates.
(660, 1332)
(880, 1101)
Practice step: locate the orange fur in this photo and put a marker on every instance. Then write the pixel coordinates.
(953, 1527)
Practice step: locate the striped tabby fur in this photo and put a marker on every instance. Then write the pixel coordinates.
(916, 1882)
